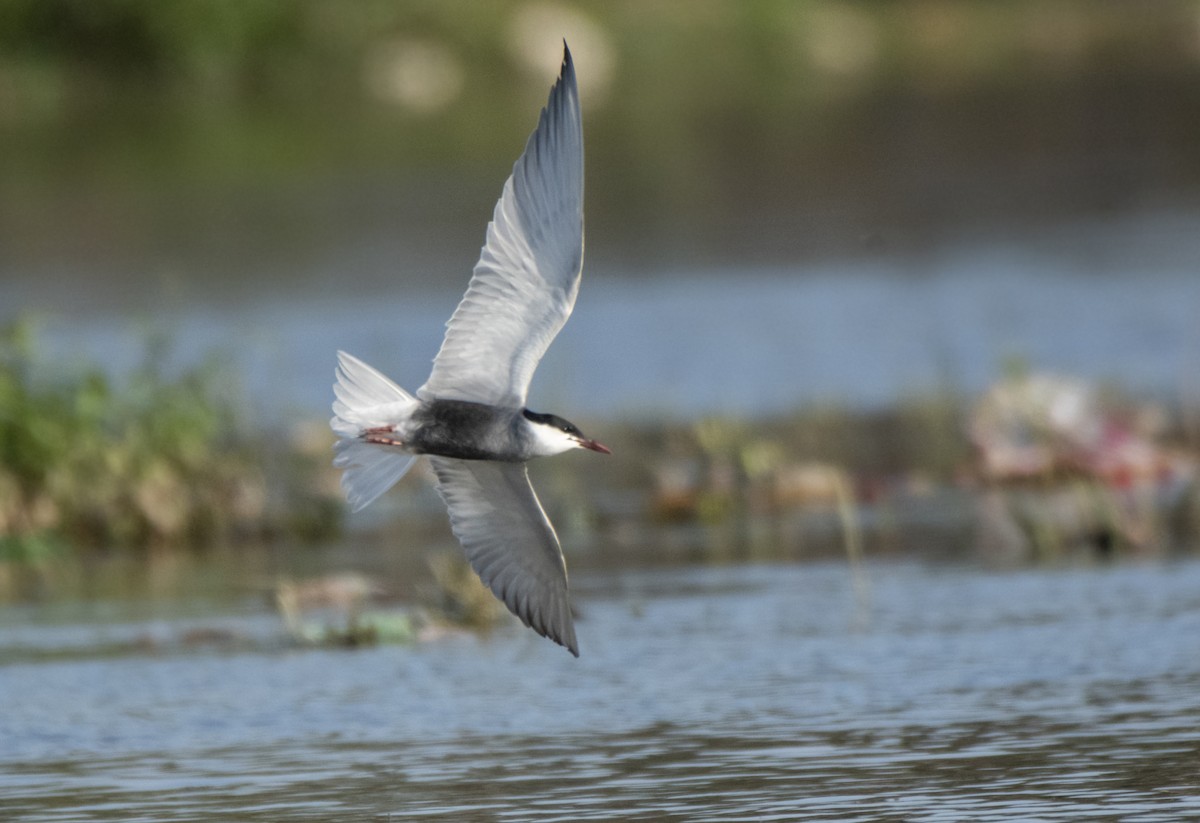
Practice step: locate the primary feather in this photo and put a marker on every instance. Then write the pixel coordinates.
(524, 286)
(509, 541)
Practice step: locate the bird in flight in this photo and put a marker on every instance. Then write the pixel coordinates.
(470, 416)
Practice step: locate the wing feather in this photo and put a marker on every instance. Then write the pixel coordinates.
(509, 541)
(523, 288)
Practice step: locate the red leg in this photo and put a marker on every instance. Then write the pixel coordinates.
(379, 434)
(381, 440)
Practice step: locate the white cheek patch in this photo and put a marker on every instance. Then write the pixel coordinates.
(553, 441)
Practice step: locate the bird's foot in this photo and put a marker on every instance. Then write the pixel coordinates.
(379, 435)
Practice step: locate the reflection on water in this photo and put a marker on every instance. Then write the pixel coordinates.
(751, 693)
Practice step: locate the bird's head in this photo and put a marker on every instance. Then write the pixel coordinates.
(553, 435)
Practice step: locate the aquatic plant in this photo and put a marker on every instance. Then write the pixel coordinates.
(151, 461)
(1066, 463)
(458, 596)
(342, 618)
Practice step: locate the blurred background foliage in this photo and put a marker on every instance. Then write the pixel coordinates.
(219, 146)
(909, 120)
(154, 461)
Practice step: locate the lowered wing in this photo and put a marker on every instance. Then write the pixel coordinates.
(509, 541)
(524, 285)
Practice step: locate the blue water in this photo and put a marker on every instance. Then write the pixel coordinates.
(731, 693)
(1113, 301)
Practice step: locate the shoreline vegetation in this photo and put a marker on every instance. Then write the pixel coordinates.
(1039, 469)
(179, 150)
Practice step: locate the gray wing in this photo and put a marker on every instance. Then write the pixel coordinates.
(524, 285)
(509, 541)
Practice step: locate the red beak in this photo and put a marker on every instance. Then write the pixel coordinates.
(596, 447)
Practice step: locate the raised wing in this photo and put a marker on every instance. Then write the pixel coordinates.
(524, 285)
(509, 541)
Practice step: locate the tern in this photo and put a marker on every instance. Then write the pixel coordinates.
(470, 416)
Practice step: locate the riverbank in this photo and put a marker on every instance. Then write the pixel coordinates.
(159, 465)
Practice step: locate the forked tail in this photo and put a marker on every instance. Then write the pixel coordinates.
(366, 400)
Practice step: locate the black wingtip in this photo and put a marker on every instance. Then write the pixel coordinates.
(569, 643)
(566, 639)
(568, 65)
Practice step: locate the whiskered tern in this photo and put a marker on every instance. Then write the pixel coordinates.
(470, 416)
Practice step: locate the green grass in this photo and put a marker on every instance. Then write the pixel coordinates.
(154, 460)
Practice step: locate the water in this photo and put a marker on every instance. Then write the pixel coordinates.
(1111, 300)
(731, 693)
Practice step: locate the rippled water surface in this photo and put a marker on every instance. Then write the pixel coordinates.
(734, 693)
